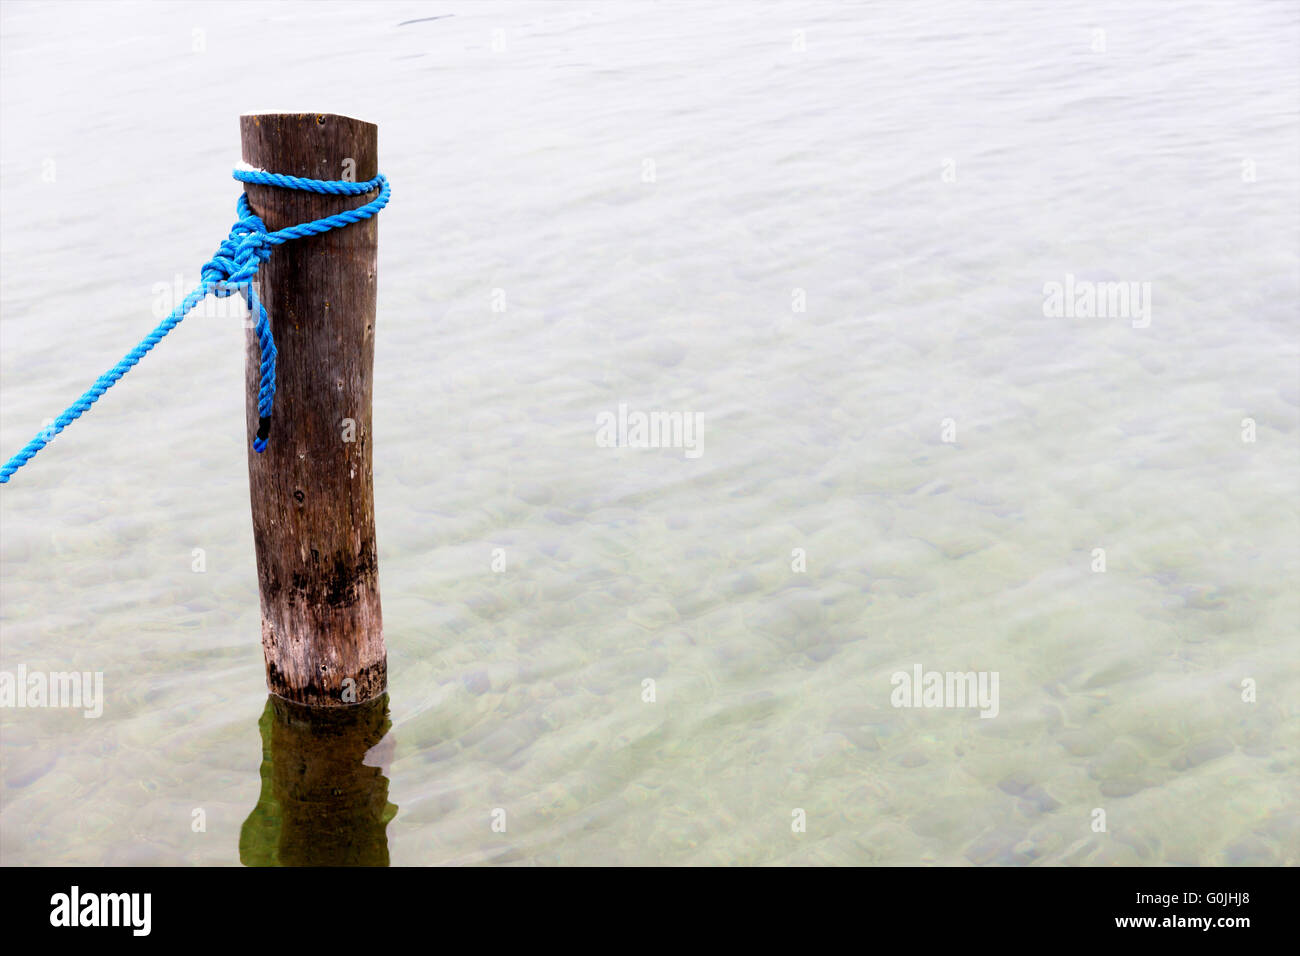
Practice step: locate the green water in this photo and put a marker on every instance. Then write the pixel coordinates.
(518, 725)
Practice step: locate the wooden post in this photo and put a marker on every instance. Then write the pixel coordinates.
(312, 489)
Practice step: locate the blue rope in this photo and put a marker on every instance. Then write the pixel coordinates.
(231, 269)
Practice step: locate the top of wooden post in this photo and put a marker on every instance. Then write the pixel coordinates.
(311, 145)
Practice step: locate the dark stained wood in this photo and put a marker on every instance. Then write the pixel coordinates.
(313, 492)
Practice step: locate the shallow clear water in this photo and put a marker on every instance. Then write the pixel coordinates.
(918, 172)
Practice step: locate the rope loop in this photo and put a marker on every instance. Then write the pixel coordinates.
(230, 271)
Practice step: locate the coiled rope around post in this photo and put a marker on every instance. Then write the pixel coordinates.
(230, 270)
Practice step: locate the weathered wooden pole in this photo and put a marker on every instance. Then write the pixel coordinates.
(312, 489)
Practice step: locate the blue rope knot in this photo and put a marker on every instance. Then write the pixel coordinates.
(240, 255)
(230, 271)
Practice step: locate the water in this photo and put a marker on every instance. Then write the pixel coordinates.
(919, 171)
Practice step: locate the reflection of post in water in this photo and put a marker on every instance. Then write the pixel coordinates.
(320, 805)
